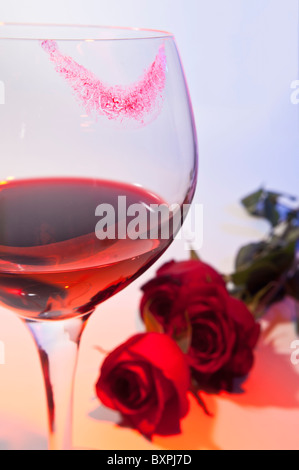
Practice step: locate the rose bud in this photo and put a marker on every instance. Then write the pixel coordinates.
(165, 295)
(146, 379)
(223, 332)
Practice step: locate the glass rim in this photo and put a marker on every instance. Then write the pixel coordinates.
(128, 33)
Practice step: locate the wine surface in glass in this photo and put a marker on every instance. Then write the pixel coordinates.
(52, 265)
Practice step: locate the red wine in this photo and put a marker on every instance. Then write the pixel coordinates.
(52, 265)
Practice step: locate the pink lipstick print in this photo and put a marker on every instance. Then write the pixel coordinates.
(137, 101)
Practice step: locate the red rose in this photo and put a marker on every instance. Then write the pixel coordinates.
(224, 332)
(146, 379)
(165, 295)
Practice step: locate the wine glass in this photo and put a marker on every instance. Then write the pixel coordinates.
(96, 122)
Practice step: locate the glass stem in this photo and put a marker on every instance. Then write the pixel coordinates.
(58, 343)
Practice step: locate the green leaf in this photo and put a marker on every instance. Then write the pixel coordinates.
(247, 254)
(151, 323)
(268, 266)
(263, 204)
(271, 205)
(184, 338)
(259, 269)
(251, 202)
(271, 212)
(292, 234)
(256, 305)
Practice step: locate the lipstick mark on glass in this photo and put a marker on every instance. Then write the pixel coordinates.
(135, 101)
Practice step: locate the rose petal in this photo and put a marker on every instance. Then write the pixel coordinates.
(170, 421)
(164, 354)
(193, 269)
(148, 421)
(143, 376)
(241, 361)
